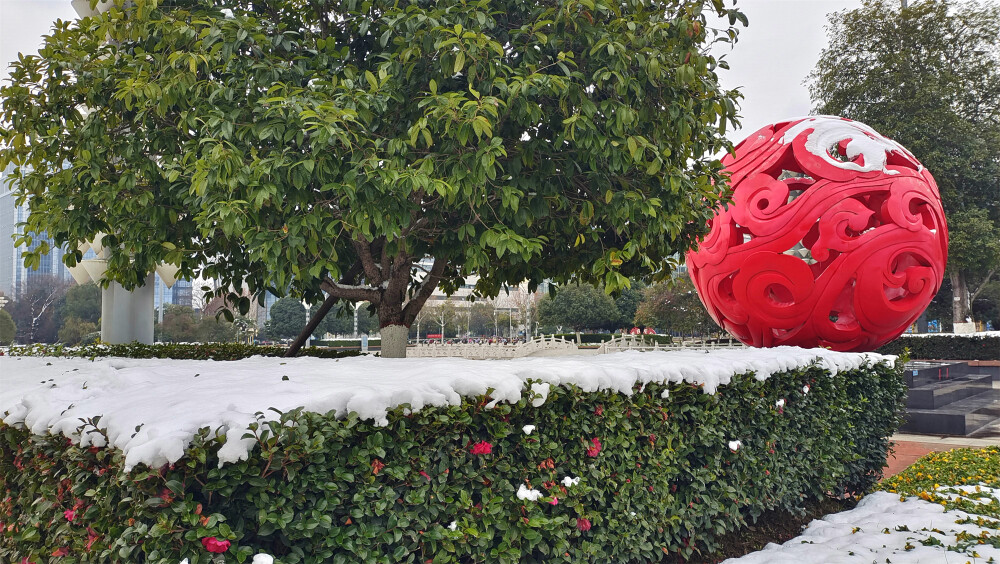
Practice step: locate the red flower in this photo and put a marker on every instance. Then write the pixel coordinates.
(69, 514)
(583, 524)
(482, 447)
(594, 450)
(425, 475)
(599, 411)
(61, 551)
(213, 544)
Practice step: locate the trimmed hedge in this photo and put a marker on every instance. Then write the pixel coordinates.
(657, 475)
(946, 347)
(203, 351)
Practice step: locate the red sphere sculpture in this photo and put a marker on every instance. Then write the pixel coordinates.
(836, 238)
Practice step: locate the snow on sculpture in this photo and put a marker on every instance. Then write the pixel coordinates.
(836, 237)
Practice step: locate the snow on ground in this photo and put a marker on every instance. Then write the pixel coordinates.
(884, 529)
(152, 408)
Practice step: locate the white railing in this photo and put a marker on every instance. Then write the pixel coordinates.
(620, 343)
(556, 346)
(493, 350)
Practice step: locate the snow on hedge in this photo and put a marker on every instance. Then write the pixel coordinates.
(169, 400)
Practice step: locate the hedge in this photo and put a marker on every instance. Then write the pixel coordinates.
(658, 477)
(946, 347)
(201, 351)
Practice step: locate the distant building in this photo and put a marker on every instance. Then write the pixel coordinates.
(14, 277)
(180, 294)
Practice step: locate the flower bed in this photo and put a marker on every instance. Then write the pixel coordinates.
(627, 458)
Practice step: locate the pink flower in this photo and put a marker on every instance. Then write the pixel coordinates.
(594, 450)
(583, 524)
(69, 514)
(482, 447)
(555, 501)
(425, 475)
(213, 544)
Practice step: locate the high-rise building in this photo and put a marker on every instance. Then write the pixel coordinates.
(14, 277)
(179, 294)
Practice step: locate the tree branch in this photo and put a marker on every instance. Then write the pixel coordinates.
(981, 286)
(427, 287)
(373, 273)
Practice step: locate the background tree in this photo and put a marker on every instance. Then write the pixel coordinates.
(36, 309)
(974, 257)
(7, 328)
(74, 330)
(627, 303)
(443, 315)
(673, 307)
(326, 149)
(580, 307)
(288, 317)
(481, 319)
(180, 324)
(212, 329)
(83, 302)
(927, 76)
(340, 321)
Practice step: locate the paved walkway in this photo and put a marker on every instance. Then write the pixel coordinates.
(911, 447)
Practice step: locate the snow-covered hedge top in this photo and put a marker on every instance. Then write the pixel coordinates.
(172, 399)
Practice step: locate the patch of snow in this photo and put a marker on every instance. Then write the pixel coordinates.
(152, 408)
(828, 131)
(881, 529)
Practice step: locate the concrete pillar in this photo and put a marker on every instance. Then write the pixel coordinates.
(127, 316)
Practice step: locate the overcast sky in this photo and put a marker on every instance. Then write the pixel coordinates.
(769, 64)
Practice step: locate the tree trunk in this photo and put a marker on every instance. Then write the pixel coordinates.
(393, 329)
(394, 341)
(314, 322)
(960, 306)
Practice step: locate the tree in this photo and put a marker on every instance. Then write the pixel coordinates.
(443, 314)
(83, 302)
(74, 330)
(928, 76)
(327, 149)
(480, 322)
(8, 330)
(580, 306)
(180, 324)
(36, 309)
(628, 301)
(288, 317)
(674, 307)
(974, 249)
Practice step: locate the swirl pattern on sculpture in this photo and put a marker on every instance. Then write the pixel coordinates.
(836, 237)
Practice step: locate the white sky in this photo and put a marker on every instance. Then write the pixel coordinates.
(769, 64)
